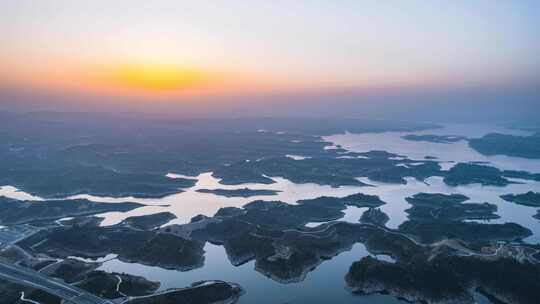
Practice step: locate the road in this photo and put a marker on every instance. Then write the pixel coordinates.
(31, 278)
(13, 234)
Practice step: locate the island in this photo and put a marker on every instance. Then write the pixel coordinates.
(531, 199)
(431, 276)
(105, 285)
(471, 173)
(117, 285)
(334, 171)
(273, 234)
(439, 139)
(54, 182)
(203, 292)
(509, 145)
(150, 221)
(374, 216)
(20, 212)
(438, 207)
(435, 217)
(521, 175)
(130, 245)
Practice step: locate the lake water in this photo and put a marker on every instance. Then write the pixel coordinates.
(457, 151)
(326, 283)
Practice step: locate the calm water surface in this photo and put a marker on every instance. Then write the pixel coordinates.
(326, 283)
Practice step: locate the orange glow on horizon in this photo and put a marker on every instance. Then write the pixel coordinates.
(136, 79)
(167, 81)
(158, 78)
(154, 80)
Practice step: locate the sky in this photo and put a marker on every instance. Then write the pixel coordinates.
(205, 55)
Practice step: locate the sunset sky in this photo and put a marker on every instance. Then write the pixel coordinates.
(177, 50)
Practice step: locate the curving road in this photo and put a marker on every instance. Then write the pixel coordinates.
(34, 279)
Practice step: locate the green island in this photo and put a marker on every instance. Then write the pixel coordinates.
(531, 199)
(510, 145)
(439, 139)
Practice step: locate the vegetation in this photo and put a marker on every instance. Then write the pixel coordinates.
(440, 139)
(531, 199)
(510, 145)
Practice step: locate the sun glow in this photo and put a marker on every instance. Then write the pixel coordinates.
(159, 78)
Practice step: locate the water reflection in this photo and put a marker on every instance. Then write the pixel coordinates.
(325, 285)
(394, 195)
(457, 151)
(14, 193)
(189, 203)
